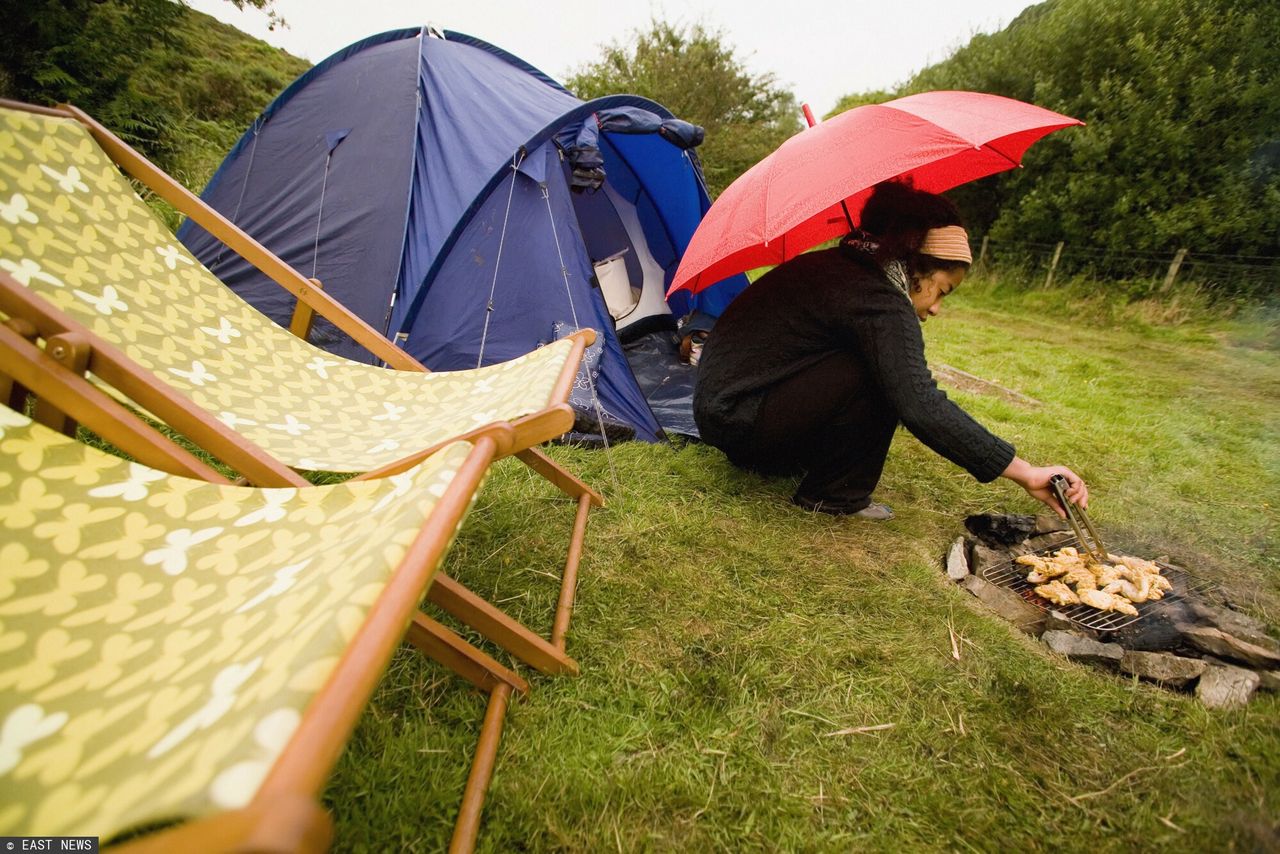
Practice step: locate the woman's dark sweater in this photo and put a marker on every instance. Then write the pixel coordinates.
(805, 310)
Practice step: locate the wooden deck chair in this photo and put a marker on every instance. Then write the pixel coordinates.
(178, 650)
(81, 254)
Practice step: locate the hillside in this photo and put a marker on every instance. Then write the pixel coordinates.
(176, 83)
(217, 86)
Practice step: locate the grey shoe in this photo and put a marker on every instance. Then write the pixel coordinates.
(875, 512)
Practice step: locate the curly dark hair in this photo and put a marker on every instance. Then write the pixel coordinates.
(898, 215)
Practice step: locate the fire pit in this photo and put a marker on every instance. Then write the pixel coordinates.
(1188, 639)
(1013, 575)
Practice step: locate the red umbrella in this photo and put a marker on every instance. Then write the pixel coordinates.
(790, 201)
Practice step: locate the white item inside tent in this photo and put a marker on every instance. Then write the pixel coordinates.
(653, 299)
(615, 284)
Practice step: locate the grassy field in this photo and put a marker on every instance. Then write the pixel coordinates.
(731, 644)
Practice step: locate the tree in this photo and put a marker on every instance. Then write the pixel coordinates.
(1182, 104)
(848, 102)
(83, 52)
(693, 73)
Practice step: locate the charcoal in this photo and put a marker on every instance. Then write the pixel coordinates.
(1000, 529)
(1159, 630)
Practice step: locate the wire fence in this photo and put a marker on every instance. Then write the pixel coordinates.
(1223, 276)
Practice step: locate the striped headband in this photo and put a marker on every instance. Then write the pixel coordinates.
(950, 243)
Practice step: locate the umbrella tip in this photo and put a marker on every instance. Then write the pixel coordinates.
(808, 115)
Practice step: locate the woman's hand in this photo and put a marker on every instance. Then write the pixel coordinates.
(1035, 480)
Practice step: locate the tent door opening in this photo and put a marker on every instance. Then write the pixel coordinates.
(632, 281)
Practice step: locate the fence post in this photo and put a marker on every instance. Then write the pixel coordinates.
(1174, 267)
(1053, 265)
(982, 253)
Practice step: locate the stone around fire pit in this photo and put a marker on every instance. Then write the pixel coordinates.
(1171, 670)
(1226, 687)
(1057, 621)
(1051, 524)
(1217, 642)
(1049, 540)
(1270, 680)
(1007, 604)
(1236, 624)
(957, 561)
(1080, 648)
(982, 558)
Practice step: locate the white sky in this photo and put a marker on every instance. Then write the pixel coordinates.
(819, 49)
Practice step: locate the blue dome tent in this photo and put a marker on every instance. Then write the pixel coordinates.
(470, 207)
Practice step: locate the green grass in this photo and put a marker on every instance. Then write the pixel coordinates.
(724, 635)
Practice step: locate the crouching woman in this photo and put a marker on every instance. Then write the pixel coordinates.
(812, 367)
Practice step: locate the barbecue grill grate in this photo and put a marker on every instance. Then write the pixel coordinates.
(1013, 576)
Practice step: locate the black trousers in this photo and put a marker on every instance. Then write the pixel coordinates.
(829, 421)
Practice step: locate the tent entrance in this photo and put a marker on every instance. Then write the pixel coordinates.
(633, 287)
(632, 281)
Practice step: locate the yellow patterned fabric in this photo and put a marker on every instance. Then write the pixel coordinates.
(73, 230)
(160, 638)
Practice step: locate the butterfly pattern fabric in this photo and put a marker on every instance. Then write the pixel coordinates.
(160, 637)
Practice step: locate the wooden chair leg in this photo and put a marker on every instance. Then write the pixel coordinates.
(468, 823)
(569, 579)
(571, 485)
(459, 602)
(482, 671)
(303, 314)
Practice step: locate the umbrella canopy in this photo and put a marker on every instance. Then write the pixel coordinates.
(790, 201)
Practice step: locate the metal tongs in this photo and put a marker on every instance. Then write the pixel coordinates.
(1079, 520)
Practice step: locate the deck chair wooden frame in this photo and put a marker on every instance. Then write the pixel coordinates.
(258, 466)
(285, 815)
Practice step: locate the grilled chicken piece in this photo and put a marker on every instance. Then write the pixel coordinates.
(1106, 601)
(1080, 576)
(1105, 574)
(1069, 578)
(1136, 593)
(1058, 593)
(1042, 568)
